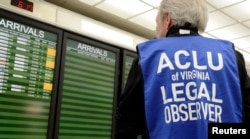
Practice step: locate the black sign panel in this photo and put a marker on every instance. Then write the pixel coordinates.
(128, 58)
(88, 89)
(28, 57)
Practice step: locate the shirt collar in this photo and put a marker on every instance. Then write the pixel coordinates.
(182, 31)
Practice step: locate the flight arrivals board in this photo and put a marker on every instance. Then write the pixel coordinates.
(129, 57)
(89, 88)
(129, 62)
(27, 66)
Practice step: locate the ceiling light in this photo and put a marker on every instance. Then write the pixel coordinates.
(124, 8)
(231, 32)
(240, 11)
(247, 23)
(210, 8)
(154, 3)
(215, 21)
(146, 19)
(90, 2)
(206, 35)
(242, 43)
(107, 33)
(223, 3)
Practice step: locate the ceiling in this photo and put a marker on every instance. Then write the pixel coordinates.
(228, 19)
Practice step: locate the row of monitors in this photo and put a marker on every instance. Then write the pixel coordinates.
(56, 84)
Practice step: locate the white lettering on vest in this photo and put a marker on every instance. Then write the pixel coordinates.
(165, 62)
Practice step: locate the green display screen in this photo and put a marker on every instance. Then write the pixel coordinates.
(128, 63)
(88, 92)
(27, 62)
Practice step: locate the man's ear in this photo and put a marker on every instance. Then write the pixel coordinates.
(167, 20)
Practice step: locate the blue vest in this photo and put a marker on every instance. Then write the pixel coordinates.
(189, 81)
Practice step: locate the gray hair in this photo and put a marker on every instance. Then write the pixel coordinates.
(186, 11)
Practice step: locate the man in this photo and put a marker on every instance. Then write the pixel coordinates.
(182, 81)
